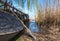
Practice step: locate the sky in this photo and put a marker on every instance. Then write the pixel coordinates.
(31, 13)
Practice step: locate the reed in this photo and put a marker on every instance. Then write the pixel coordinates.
(50, 17)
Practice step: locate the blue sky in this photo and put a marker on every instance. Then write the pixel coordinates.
(32, 12)
(25, 9)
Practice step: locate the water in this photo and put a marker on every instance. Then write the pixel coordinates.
(33, 27)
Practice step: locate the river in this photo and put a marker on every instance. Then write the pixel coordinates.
(33, 27)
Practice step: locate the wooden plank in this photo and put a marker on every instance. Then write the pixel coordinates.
(11, 7)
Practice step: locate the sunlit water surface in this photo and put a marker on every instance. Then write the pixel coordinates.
(33, 27)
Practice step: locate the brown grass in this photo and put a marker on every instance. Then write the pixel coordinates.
(50, 17)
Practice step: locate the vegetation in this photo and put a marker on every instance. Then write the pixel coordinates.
(50, 16)
(5, 6)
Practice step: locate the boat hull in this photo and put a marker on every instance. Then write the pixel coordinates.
(9, 26)
(7, 37)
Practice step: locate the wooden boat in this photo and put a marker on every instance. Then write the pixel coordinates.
(9, 26)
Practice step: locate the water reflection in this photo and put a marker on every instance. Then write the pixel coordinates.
(33, 26)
